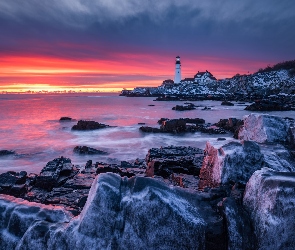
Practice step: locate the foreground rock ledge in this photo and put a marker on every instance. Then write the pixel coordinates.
(120, 213)
(269, 199)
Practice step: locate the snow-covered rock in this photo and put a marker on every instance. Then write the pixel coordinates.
(135, 213)
(18, 215)
(239, 231)
(264, 128)
(236, 162)
(270, 200)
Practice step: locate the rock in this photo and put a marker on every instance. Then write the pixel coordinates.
(6, 152)
(151, 105)
(269, 199)
(168, 160)
(147, 129)
(184, 107)
(88, 125)
(231, 124)
(173, 126)
(13, 183)
(226, 103)
(17, 216)
(182, 125)
(141, 123)
(138, 213)
(84, 150)
(291, 136)
(65, 118)
(221, 139)
(267, 105)
(229, 163)
(264, 129)
(238, 225)
(55, 173)
(161, 120)
(235, 162)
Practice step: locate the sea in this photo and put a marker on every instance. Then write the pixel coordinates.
(30, 126)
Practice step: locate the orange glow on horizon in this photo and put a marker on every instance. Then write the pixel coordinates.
(23, 73)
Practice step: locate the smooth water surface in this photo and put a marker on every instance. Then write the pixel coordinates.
(29, 125)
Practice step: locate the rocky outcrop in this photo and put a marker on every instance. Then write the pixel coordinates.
(238, 225)
(139, 213)
(235, 162)
(229, 163)
(183, 125)
(55, 173)
(172, 160)
(17, 217)
(65, 118)
(84, 150)
(266, 105)
(13, 183)
(269, 199)
(231, 124)
(184, 107)
(88, 125)
(6, 152)
(264, 129)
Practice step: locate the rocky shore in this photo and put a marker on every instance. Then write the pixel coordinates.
(234, 194)
(269, 90)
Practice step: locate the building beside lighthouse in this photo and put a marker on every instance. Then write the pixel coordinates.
(177, 76)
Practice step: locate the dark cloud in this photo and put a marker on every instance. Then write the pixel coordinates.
(250, 29)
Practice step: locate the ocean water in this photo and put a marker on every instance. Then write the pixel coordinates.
(29, 125)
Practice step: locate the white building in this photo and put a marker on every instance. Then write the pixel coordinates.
(202, 77)
(177, 77)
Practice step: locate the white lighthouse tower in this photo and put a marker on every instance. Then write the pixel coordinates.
(177, 76)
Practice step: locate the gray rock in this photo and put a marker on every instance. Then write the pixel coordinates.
(17, 216)
(84, 150)
(238, 225)
(269, 199)
(136, 213)
(264, 129)
(88, 125)
(236, 162)
(6, 152)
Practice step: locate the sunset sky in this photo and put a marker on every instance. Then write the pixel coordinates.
(109, 45)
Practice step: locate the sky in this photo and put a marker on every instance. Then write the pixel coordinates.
(108, 45)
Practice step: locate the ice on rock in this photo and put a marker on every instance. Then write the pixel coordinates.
(270, 201)
(135, 213)
(18, 215)
(236, 162)
(264, 129)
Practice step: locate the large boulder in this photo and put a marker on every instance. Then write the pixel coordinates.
(174, 159)
(17, 216)
(264, 129)
(13, 183)
(135, 213)
(174, 125)
(239, 229)
(269, 199)
(231, 124)
(229, 163)
(236, 162)
(55, 173)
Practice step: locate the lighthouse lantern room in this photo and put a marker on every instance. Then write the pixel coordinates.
(177, 76)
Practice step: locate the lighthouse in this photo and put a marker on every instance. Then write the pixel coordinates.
(177, 76)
